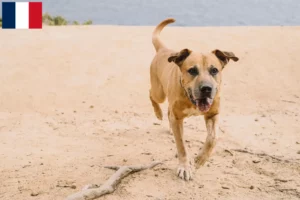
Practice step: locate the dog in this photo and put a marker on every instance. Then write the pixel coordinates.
(191, 82)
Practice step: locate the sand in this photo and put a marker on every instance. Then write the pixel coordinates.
(74, 99)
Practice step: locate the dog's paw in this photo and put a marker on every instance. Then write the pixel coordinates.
(200, 161)
(184, 172)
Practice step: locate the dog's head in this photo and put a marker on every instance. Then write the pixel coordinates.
(201, 74)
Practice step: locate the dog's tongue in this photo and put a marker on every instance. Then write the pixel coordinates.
(204, 104)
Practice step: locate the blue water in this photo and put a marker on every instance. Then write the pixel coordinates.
(186, 12)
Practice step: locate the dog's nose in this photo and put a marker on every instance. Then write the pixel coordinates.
(205, 89)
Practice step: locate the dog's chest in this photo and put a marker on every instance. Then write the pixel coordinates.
(191, 112)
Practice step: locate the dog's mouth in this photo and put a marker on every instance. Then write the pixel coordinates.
(204, 104)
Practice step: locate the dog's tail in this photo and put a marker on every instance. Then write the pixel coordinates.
(155, 36)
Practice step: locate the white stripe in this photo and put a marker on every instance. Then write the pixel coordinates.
(22, 15)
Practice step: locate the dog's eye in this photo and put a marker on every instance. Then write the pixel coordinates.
(193, 71)
(214, 71)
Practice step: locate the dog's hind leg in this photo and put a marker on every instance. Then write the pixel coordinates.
(157, 96)
(170, 125)
(155, 104)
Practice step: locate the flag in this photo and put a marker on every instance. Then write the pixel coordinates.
(22, 15)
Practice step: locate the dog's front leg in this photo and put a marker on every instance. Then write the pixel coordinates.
(184, 169)
(212, 133)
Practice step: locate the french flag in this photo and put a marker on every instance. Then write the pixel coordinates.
(22, 15)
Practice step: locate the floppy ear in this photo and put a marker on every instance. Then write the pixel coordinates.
(225, 56)
(179, 57)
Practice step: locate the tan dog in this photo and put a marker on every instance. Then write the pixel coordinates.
(191, 81)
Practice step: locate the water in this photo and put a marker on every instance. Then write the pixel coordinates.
(186, 12)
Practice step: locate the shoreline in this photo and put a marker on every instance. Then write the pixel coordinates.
(176, 26)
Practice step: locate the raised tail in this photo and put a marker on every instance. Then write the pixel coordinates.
(155, 36)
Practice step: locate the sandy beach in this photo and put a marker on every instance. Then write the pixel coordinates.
(75, 99)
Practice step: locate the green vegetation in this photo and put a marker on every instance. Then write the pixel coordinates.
(76, 23)
(0, 21)
(89, 22)
(60, 21)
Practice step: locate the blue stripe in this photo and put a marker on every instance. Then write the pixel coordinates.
(8, 15)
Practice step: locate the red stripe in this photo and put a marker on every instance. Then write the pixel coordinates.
(35, 15)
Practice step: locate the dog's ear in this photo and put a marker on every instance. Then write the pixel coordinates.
(179, 57)
(225, 56)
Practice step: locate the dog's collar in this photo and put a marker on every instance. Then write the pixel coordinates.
(187, 94)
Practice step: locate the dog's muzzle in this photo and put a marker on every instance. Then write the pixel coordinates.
(203, 97)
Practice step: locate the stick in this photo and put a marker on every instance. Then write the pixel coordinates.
(288, 101)
(221, 129)
(259, 154)
(228, 151)
(93, 192)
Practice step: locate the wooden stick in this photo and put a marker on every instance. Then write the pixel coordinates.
(260, 154)
(93, 192)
